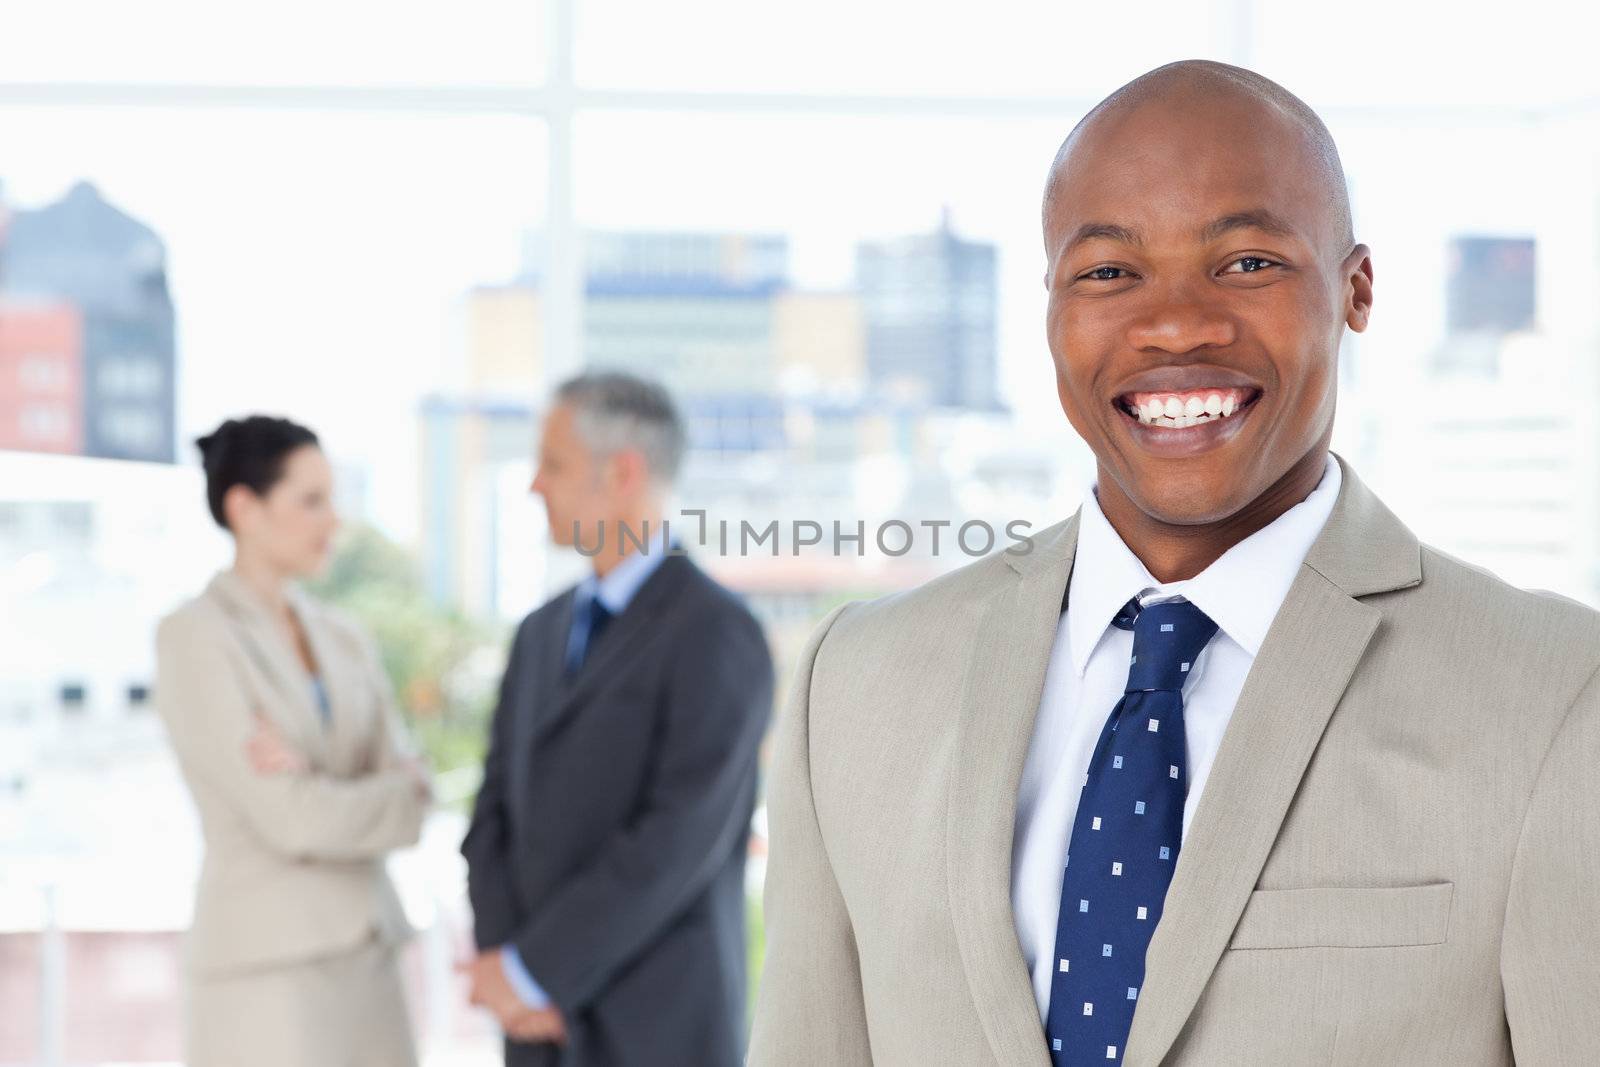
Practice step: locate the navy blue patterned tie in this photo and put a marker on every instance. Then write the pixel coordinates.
(1125, 839)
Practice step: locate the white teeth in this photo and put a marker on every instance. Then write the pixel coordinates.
(1173, 413)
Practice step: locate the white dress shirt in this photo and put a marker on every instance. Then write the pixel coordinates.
(1241, 592)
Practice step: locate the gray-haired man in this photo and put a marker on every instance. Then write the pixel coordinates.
(606, 853)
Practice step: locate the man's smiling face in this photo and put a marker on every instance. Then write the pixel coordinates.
(1201, 275)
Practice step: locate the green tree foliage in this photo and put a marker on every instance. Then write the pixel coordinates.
(442, 664)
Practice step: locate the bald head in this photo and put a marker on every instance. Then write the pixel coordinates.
(1197, 96)
(1201, 273)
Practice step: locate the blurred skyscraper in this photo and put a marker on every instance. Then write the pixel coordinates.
(83, 257)
(41, 376)
(1489, 293)
(692, 310)
(476, 434)
(931, 308)
(785, 413)
(1491, 284)
(710, 315)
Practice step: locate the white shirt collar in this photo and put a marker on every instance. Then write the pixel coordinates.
(1241, 591)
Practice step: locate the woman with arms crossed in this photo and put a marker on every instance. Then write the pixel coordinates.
(284, 724)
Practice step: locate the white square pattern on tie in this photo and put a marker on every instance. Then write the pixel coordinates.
(1135, 769)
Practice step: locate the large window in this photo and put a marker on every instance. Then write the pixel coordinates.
(402, 224)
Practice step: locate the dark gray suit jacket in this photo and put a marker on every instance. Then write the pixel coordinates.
(608, 839)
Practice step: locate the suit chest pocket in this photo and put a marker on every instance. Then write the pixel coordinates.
(1340, 917)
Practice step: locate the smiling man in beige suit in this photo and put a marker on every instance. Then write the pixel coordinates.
(1385, 765)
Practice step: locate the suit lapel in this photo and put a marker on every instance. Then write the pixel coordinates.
(538, 684)
(350, 701)
(626, 639)
(1305, 664)
(1293, 686)
(269, 653)
(1000, 700)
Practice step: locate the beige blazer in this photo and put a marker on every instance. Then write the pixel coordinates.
(293, 863)
(1396, 859)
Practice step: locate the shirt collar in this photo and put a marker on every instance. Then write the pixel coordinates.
(621, 582)
(1241, 591)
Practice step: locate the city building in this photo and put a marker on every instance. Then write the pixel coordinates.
(694, 311)
(789, 420)
(41, 376)
(1491, 285)
(84, 253)
(476, 444)
(931, 303)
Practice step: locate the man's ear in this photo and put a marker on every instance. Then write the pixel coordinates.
(628, 471)
(1357, 273)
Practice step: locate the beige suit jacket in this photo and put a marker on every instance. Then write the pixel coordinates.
(293, 862)
(1396, 858)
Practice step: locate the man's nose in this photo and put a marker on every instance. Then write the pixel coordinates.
(1182, 323)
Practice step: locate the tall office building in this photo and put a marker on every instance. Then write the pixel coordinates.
(84, 253)
(1491, 284)
(477, 447)
(41, 376)
(769, 378)
(820, 343)
(931, 318)
(1490, 291)
(692, 310)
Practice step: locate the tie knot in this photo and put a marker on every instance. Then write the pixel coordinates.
(1167, 638)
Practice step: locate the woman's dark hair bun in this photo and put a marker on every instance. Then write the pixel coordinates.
(251, 452)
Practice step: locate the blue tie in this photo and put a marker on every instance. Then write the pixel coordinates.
(1125, 839)
(585, 630)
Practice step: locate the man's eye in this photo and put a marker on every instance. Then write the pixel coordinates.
(1105, 274)
(1250, 264)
